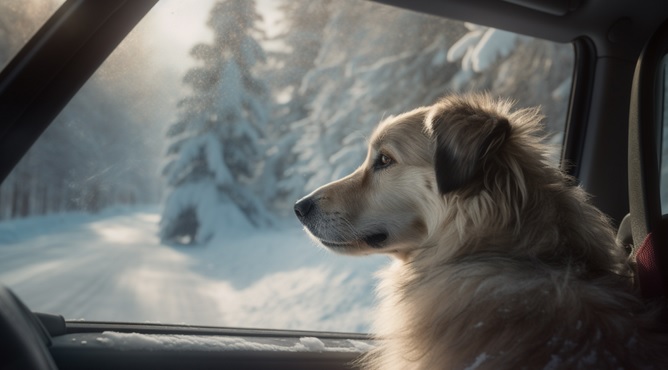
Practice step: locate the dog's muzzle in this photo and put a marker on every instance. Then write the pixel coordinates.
(330, 233)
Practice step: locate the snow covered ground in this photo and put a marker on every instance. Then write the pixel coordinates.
(111, 266)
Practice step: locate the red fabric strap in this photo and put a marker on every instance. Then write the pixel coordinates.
(649, 274)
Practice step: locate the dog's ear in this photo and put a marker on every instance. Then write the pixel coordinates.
(466, 139)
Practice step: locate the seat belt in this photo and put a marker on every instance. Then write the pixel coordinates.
(644, 175)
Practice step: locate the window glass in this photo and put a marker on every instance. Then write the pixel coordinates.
(663, 115)
(164, 191)
(19, 20)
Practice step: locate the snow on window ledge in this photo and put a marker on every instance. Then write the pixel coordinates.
(177, 342)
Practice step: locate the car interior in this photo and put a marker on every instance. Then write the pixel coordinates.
(613, 146)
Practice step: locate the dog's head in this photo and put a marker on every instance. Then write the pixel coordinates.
(397, 198)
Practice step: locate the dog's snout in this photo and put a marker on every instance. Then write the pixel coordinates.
(303, 207)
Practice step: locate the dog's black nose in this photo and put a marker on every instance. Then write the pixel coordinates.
(303, 207)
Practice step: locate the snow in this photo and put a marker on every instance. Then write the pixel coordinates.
(312, 343)
(461, 47)
(493, 45)
(361, 345)
(112, 267)
(207, 343)
(480, 48)
(202, 197)
(214, 157)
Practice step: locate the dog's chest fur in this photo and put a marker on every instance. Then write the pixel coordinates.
(492, 313)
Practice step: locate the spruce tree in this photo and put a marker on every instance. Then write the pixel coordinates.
(302, 35)
(218, 141)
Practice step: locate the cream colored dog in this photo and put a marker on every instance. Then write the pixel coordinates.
(501, 262)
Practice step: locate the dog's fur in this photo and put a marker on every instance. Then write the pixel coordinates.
(501, 262)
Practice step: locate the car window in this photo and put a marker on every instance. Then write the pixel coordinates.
(164, 191)
(663, 117)
(19, 20)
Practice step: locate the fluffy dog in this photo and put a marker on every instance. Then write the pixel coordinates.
(501, 262)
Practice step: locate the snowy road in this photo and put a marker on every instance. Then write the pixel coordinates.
(112, 267)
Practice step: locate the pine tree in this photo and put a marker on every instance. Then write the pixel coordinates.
(352, 88)
(364, 73)
(218, 140)
(302, 36)
(528, 70)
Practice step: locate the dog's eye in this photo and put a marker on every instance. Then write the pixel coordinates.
(382, 161)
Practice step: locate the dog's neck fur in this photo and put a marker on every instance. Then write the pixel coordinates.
(513, 268)
(460, 265)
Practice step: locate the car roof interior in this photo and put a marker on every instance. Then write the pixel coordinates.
(611, 24)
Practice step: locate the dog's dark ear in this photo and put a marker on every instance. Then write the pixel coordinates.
(466, 139)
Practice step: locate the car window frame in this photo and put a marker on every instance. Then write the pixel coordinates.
(578, 106)
(54, 64)
(82, 63)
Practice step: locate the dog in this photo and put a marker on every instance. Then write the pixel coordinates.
(500, 261)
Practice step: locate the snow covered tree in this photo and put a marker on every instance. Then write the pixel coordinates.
(218, 140)
(364, 73)
(528, 70)
(302, 35)
(351, 88)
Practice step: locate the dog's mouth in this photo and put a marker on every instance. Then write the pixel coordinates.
(376, 240)
(335, 245)
(372, 240)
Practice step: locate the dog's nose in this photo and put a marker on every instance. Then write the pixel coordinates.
(303, 207)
